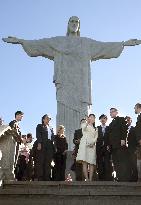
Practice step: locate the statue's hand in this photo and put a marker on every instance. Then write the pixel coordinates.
(132, 42)
(11, 39)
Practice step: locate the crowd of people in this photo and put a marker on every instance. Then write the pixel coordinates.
(45, 158)
(108, 153)
(105, 153)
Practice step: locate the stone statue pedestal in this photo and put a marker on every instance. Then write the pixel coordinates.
(8, 150)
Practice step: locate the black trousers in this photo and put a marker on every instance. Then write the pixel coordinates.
(30, 170)
(42, 162)
(60, 166)
(79, 172)
(133, 165)
(20, 170)
(121, 160)
(104, 165)
(78, 169)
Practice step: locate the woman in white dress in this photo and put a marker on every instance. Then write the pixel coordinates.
(87, 148)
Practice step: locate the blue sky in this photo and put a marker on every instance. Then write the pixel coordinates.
(26, 83)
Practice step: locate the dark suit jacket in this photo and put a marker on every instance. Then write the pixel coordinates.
(77, 135)
(42, 134)
(47, 146)
(12, 124)
(60, 144)
(138, 128)
(102, 140)
(117, 132)
(132, 140)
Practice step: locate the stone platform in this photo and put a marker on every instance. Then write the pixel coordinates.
(70, 193)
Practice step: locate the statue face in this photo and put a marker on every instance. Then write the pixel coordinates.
(73, 24)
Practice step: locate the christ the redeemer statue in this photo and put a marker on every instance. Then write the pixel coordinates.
(72, 74)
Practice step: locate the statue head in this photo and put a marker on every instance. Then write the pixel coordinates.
(73, 26)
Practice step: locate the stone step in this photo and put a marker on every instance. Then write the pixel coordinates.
(69, 193)
(107, 186)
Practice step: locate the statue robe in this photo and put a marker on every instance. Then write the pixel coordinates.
(72, 74)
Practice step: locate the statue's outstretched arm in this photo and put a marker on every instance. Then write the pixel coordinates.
(132, 42)
(34, 48)
(12, 40)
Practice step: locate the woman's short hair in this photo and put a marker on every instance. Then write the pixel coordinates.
(60, 127)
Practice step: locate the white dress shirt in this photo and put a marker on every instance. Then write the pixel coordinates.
(103, 129)
(49, 132)
(129, 127)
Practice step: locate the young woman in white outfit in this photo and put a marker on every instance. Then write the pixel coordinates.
(87, 148)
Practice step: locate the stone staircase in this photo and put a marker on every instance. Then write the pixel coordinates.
(70, 193)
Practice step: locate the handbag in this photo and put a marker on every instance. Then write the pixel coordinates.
(90, 141)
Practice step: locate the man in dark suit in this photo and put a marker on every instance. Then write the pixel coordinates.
(138, 135)
(132, 148)
(117, 135)
(104, 165)
(43, 150)
(14, 124)
(77, 166)
(138, 123)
